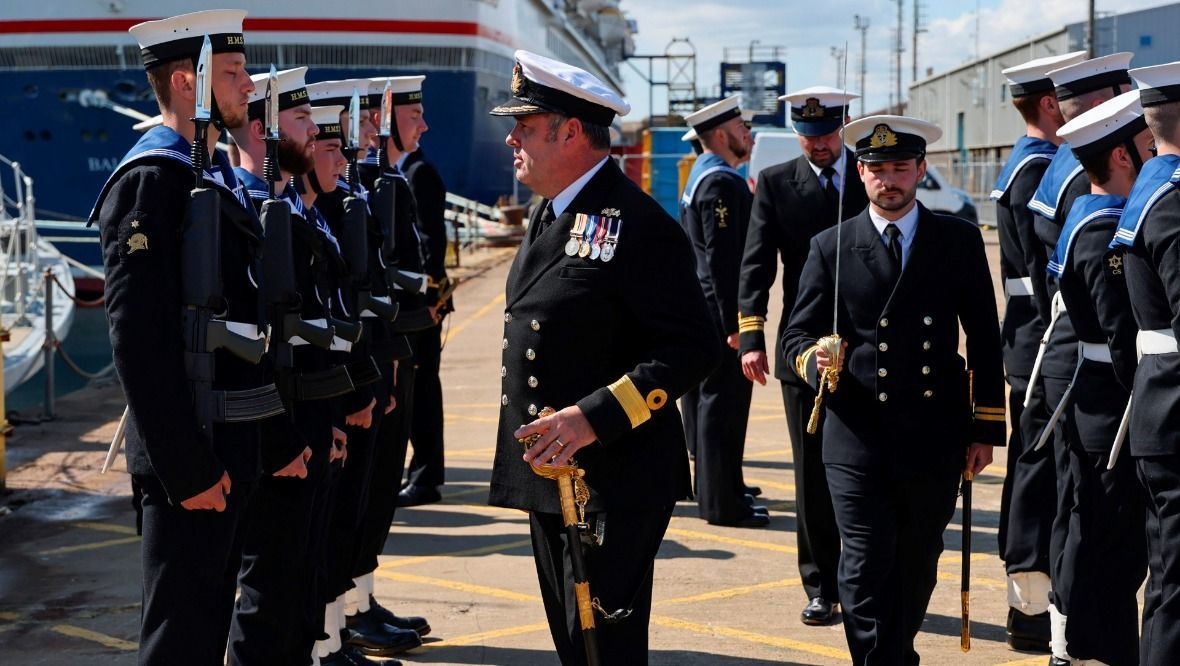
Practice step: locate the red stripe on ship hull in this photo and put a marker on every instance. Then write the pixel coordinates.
(465, 28)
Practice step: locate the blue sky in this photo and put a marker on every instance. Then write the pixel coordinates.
(808, 30)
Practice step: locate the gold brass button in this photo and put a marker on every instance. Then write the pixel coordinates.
(505, 345)
(530, 354)
(884, 346)
(927, 393)
(533, 382)
(503, 371)
(884, 322)
(925, 369)
(507, 317)
(882, 397)
(882, 372)
(532, 410)
(926, 345)
(535, 325)
(504, 400)
(928, 320)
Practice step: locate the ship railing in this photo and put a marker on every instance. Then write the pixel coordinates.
(18, 245)
(467, 218)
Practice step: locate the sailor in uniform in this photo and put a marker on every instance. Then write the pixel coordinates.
(715, 212)
(901, 426)
(195, 477)
(1024, 535)
(1079, 87)
(1104, 559)
(792, 203)
(1146, 244)
(602, 323)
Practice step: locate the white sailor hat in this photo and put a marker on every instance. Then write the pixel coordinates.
(691, 134)
(714, 114)
(543, 85)
(180, 37)
(1105, 126)
(818, 110)
(1158, 84)
(405, 89)
(329, 93)
(890, 138)
(1108, 71)
(1032, 77)
(292, 90)
(327, 118)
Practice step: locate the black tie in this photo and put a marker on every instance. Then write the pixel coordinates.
(546, 218)
(830, 190)
(894, 234)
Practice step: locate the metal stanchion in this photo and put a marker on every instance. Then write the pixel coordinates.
(50, 344)
(5, 427)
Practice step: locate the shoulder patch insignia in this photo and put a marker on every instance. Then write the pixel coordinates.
(1113, 268)
(721, 212)
(136, 242)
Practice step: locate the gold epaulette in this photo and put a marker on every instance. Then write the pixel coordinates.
(989, 413)
(631, 401)
(803, 359)
(750, 323)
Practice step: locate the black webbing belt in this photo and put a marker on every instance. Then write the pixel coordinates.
(364, 372)
(322, 385)
(253, 404)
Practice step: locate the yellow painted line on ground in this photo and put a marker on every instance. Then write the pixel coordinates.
(482, 636)
(472, 453)
(982, 582)
(10, 616)
(958, 559)
(86, 634)
(470, 552)
(473, 405)
(787, 487)
(473, 418)
(485, 590)
(765, 417)
(767, 453)
(107, 527)
(470, 491)
(731, 592)
(1031, 661)
(90, 546)
(773, 641)
(717, 538)
(458, 328)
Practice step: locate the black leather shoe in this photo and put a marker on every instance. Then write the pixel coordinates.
(1029, 633)
(753, 490)
(418, 495)
(350, 656)
(383, 614)
(758, 508)
(818, 612)
(374, 638)
(751, 520)
(1054, 661)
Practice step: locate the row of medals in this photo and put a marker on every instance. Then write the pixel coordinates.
(586, 241)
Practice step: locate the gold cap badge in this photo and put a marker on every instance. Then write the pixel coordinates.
(812, 108)
(883, 137)
(517, 80)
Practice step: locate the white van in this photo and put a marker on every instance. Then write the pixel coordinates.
(775, 145)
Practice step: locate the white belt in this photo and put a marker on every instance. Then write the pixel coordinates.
(383, 299)
(1056, 308)
(318, 323)
(1162, 341)
(1096, 351)
(1018, 286)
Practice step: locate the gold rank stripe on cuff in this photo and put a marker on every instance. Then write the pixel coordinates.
(989, 414)
(630, 400)
(751, 323)
(803, 359)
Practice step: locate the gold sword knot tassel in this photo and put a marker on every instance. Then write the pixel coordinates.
(833, 347)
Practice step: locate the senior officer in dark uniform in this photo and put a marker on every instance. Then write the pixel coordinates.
(602, 323)
(793, 202)
(195, 477)
(715, 212)
(1104, 559)
(1146, 242)
(901, 423)
(1024, 532)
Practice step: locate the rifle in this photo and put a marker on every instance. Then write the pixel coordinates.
(574, 495)
(278, 266)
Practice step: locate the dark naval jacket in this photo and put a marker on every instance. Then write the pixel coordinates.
(140, 214)
(715, 213)
(430, 201)
(1095, 291)
(1022, 257)
(621, 339)
(904, 395)
(1148, 239)
(789, 208)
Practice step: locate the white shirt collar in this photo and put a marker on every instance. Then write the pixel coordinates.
(908, 223)
(401, 161)
(563, 200)
(839, 165)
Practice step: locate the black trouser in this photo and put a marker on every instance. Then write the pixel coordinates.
(723, 409)
(427, 465)
(1104, 560)
(1018, 385)
(891, 521)
(190, 570)
(389, 460)
(817, 537)
(620, 572)
(1032, 482)
(1160, 642)
(276, 618)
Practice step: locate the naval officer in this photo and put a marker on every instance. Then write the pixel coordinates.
(1024, 532)
(1146, 243)
(715, 212)
(1104, 557)
(602, 322)
(792, 203)
(901, 426)
(195, 477)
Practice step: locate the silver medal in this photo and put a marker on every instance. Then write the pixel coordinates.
(571, 247)
(608, 252)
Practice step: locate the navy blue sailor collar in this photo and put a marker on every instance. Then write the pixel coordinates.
(1158, 176)
(1026, 151)
(706, 164)
(1085, 209)
(1061, 172)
